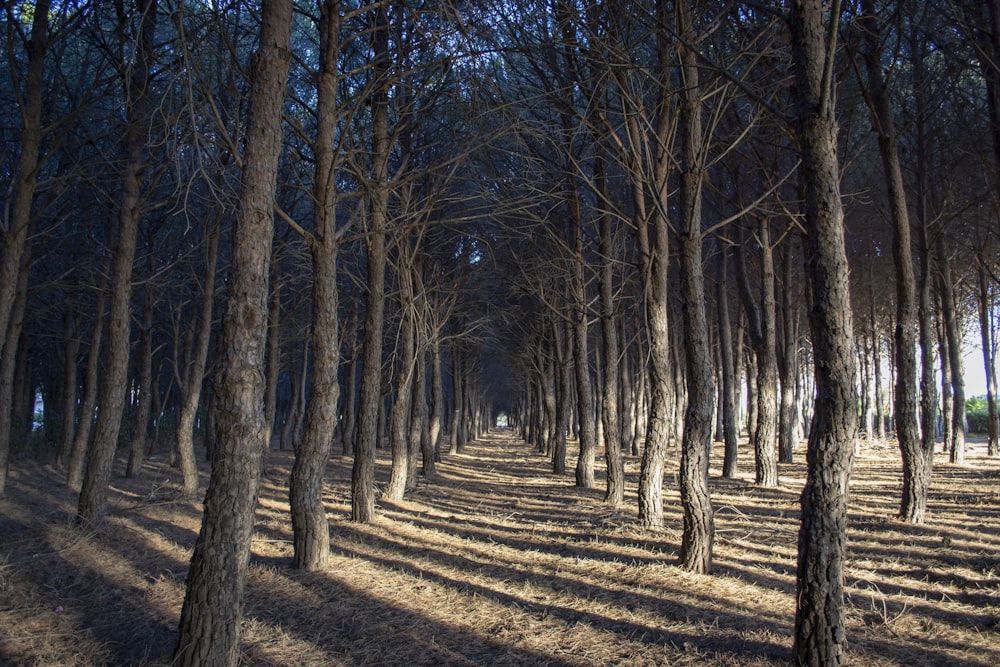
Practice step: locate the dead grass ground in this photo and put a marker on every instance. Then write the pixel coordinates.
(500, 563)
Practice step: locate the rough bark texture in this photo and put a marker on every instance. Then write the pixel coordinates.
(93, 502)
(399, 417)
(25, 177)
(195, 374)
(213, 604)
(363, 472)
(655, 262)
(730, 432)
(699, 523)
(820, 633)
(953, 338)
(310, 528)
(916, 460)
(610, 397)
(8, 367)
(140, 427)
(81, 439)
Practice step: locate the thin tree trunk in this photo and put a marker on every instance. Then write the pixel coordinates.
(81, 440)
(8, 367)
(699, 523)
(363, 471)
(310, 528)
(213, 605)
(93, 503)
(730, 432)
(195, 375)
(916, 461)
(400, 415)
(140, 428)
(25, 176)
(71, 351)
(989, 358)
(273, 363)
(953, 337)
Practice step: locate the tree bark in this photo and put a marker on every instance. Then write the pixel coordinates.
(916, 460)
(310, 528)
(213, 605)
(699, 524)
(363, 471)
(140, 428)
(730, 432)
(820, 633)
(25, 177)
(92, 506)
(195, 375)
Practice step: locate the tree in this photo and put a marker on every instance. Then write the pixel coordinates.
(917, 459)
(137, 76)
(699, 525)
(310, 527)
(820, 633)
(213, 603)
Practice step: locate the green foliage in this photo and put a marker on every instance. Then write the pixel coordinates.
(977, 414)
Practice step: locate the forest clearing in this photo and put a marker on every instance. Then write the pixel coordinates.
(498, 562)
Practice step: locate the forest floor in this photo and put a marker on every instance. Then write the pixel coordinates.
(498, 562)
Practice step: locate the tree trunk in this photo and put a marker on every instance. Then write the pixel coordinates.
(655, 262)
(916, 461)
(81, 440)
(789, 365)
(820, 633)
(730, 432)
(71, 351)
(195, 374)
(92, 507)
(140, 428)
(25, 176)
(953, 337)
(400, 415)
(213, 605)
(363, 472)
(699, 523)
(988, 343)
(310, 528)
(8, 367)
(273, 364)
(610, 397)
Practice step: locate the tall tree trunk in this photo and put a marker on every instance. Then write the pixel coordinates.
(655, 261)
(310, 528)
(761, 327)
(195, 374)
(363, 472)
(699, 523)
(789, 363)
(25, 176)
(8, 367)
(81, 440)
(71, 351)
(140, 428)
(437, 394)
(989, 344)
(610, 397)
(953, 337)
(916, 461)
(820, 632)
(92, 507)
(730, 432)
(273, 363)
(213, 605)
(400, 415)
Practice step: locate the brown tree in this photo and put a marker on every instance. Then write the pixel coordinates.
(213, 604)
(820, 632)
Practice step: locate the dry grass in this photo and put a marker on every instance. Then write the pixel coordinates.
(499, 563)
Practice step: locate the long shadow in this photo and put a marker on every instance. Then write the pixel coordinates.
(663, 605)
(400, 636)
